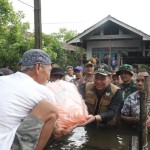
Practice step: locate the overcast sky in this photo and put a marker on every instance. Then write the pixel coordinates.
(82, 14)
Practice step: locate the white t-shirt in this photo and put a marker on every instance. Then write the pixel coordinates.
(69, 78)
(19, 93)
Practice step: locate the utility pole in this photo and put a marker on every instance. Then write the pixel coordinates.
(37, 24)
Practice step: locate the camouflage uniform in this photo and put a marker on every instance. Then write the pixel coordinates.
(127, 90)
(27, 134)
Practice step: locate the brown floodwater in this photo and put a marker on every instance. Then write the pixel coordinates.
(90, 138)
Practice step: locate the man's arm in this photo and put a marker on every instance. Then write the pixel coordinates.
(60, 132)
(130, 120)
(113, 110)
(92, 118)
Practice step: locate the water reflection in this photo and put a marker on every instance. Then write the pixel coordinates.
(77, 140)
(89, 138)
(79, 137)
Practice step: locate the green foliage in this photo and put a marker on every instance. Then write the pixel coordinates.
(6, 12)
(146, 67)
(65, 57)
(52, 46)
(74, 58)
(15, 40)
(64, 35)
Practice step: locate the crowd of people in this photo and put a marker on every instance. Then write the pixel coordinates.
(29, 113)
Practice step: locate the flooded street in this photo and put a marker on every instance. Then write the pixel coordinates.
(89, 138)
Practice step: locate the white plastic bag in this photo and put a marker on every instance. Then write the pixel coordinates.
(71, 107)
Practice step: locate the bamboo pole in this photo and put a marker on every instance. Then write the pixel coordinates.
(144, 96)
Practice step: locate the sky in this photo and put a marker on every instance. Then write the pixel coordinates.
(79, 15)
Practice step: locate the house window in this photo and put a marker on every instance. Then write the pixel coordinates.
(111, 29)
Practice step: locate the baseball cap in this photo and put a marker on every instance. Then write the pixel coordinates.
(125, 67)
(78, 68)
(33, 56)
(69, 67)
(102, 69)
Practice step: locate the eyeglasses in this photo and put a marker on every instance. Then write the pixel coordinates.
(139, 80)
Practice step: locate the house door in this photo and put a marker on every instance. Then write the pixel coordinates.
(101, 56)
(97, 55)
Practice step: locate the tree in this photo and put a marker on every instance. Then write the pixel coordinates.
(65, 57)
(13, 42)
(51, 45)
(64, 34)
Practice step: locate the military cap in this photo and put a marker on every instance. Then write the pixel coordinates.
(102, 69)
(89, 63)
(125, 67)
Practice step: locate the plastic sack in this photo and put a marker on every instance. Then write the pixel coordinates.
(71, 107)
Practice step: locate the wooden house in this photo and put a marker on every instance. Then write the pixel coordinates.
(116, 39)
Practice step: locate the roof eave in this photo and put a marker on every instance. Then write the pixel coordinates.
(78, 38)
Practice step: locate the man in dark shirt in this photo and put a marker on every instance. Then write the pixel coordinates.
(103, 99)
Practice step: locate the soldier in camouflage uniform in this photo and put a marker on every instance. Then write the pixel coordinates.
(127, 86)
(130, 112)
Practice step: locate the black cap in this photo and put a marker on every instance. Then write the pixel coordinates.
(57, 71)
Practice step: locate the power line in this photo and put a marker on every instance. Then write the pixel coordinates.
(63, 22)
(60, 22)
(25, 3)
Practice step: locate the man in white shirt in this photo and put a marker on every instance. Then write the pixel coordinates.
(27, 117)
(70, 74)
